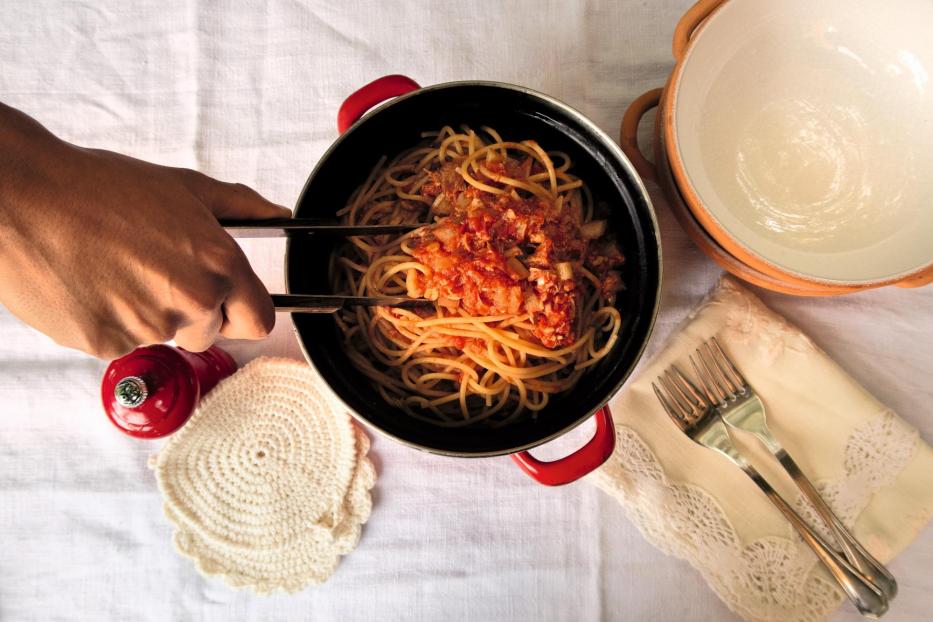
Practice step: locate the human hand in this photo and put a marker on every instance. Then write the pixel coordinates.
(103, 252)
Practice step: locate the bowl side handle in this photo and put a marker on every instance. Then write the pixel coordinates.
(628, 132)
(689, 23)
(581, 462)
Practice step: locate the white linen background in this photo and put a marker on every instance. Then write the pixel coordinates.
(249, 92)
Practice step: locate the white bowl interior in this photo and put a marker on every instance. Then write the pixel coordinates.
(806, 130)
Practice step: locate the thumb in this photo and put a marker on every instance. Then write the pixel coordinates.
(226, 200)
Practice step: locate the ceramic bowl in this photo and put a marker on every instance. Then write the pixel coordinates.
(662, 174)
(800, 135)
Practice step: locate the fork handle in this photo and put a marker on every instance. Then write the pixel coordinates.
(854, 552)
(866, 597)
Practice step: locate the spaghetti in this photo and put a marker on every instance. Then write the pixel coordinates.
(523, 275)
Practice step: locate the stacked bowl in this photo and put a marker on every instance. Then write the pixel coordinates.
(794, 141)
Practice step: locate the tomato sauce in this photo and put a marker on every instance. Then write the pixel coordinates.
(497, 254)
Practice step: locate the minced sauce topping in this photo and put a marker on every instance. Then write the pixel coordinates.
(498, 254)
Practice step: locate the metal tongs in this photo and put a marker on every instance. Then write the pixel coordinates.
(290, 227)
(315, 303)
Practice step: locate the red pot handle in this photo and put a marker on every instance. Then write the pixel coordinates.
(364, 98)
(571, 468)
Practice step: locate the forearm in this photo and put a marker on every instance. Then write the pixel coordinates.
(27, 154)
(24, 146)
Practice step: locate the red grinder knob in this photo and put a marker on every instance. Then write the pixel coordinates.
(151, 392)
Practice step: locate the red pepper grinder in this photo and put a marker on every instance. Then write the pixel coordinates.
(151, 392)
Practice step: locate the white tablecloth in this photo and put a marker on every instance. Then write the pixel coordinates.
(249, 93)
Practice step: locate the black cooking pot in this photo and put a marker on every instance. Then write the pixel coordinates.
(517, 113)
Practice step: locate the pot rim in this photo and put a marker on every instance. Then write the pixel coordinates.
(622, 160)
(737, 248)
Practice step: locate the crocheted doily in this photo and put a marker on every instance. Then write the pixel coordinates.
(268, 482)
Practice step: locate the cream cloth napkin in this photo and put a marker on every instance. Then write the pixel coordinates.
(871, 467)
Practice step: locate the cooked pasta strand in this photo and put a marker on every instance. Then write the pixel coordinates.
(453, 368)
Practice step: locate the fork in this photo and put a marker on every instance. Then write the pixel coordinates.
(689, 411)
(739, 406)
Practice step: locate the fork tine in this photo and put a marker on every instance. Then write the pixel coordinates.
(671, 384)
(686, 410)
(717, 369)
(710, 379)
(711, 398)
(685, 386)
(678, 420)
(729, 365)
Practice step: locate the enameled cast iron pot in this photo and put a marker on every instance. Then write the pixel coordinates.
(517, 113)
